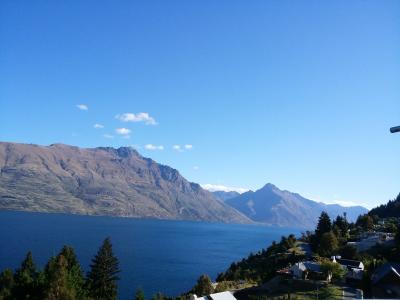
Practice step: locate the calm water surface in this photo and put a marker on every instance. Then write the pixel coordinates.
(166, 256)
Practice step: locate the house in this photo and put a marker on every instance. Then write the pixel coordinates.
(308, 270)
(354, 268)
(386, 281)
(216, 296)
(349, 264)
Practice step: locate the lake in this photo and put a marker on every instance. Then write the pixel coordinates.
(156, 255)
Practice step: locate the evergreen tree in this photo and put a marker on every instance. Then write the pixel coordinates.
(26, 280)
(57, 280)
(158, 296)
(342, 224)
(102, 277)
(324, 224)
(328, 244)
(139, 295)
(366, 222)
(75, 275)
(204, 286)
(6, 284)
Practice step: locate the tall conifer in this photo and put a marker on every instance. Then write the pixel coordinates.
(102, 277)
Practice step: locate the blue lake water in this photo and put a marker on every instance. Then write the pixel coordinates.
(156, 255)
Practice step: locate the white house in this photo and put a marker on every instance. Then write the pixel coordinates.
(217, 296)
(304, 269)
(354, 268)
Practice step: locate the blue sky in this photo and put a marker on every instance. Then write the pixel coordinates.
(297, 93)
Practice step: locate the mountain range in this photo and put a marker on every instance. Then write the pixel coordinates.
(270, 205)
(102, 181)
(223, 195)
(121, 182)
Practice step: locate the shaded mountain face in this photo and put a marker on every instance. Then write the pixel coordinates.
(223, 196)
(273, 206)
(102, 181)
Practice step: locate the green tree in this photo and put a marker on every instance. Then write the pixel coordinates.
(57, 279)
(6, 284)
(324, 224)
(342, 224)
(158, 296)
(75, 277)
(203, 286)
(366, 222)
(26, 280)
(139, 295)
(102, 277)
(335, 270)
(328, 244)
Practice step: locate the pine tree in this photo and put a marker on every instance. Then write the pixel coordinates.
(75, 275)
(204, 286)
(158, 296)
(25, 278)
(102, 277)
(324, 224)
(342, 224)
(366, 222)
(6, 284)
(139, 295)
(58, 286)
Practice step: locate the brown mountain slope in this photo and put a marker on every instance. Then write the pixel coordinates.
(101, 181)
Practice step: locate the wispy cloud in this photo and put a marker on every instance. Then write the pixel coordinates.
(181, 148)
(335, 199)
(344, 203)
(196, 168)
(177, 148)
(219, 187)
(139, 117)
(98, 126)
(82, 107)
(108, 136)
(152, 147)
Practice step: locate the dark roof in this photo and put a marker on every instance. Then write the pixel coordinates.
(385, 269)
(312, 266)
(349, 262)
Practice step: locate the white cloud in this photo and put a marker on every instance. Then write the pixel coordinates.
(196, 168)
(344, 203)
(82, 107)
(182, 148)
(139, 117)
(123, 131)
(108, 136)
(177, 148)
(153, 147)
(336, 199)
(98, 126)
(219, 187)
